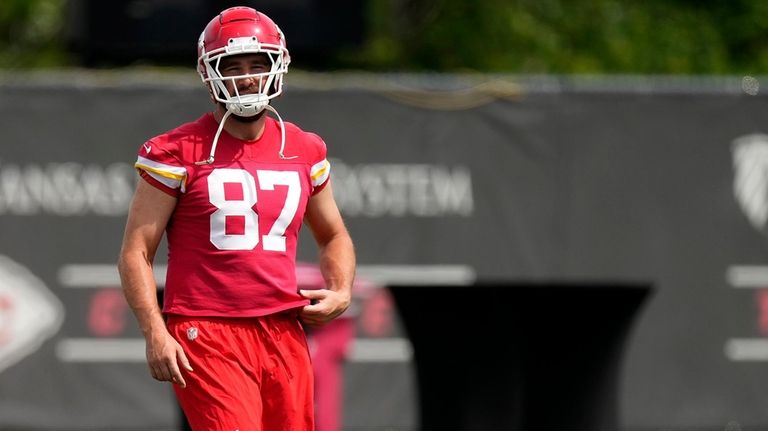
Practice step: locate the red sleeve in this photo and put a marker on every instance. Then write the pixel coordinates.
(157, 184)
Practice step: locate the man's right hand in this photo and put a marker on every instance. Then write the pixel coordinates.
(164, 355)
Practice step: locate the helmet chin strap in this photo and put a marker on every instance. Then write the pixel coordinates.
(210, 158)
(282, 134)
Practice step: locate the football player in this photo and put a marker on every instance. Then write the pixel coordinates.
(230, 191)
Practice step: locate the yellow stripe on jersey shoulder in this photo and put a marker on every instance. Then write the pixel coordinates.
(177, 173)
(319, 172)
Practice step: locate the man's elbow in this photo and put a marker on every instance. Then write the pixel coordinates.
(129, 260)
(343, 239)
(123, 264)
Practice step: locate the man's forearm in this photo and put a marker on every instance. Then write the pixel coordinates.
(337, 264)
(140, 292)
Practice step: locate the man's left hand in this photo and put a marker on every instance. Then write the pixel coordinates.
(325, 306)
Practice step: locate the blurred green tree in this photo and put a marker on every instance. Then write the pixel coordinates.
(568, 36)
(31, 33)
(518, 36)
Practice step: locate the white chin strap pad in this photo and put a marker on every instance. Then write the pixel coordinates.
(248, 105)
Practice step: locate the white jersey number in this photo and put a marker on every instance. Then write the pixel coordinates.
(249, 239)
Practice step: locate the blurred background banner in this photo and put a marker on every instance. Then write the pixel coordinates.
(629, 183)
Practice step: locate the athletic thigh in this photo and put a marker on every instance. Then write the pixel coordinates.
(223, 390)
(249, 374)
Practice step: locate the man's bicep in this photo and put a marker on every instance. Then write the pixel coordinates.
(148, 216)
(323, 216)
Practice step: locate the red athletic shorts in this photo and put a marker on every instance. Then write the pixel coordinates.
(250, 374)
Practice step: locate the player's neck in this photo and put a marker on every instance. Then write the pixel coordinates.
(247, 131)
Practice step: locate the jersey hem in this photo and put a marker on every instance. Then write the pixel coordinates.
(235, 314)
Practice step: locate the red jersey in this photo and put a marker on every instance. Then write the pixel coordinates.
(232, 237)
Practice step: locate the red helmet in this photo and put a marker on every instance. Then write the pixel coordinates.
(242, 30)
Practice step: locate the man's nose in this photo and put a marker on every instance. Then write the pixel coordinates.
(250, 81)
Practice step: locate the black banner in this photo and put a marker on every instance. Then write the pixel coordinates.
(605, 185)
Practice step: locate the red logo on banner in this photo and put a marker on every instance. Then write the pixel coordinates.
(6, 319)
(107, 313)
(29, 312)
